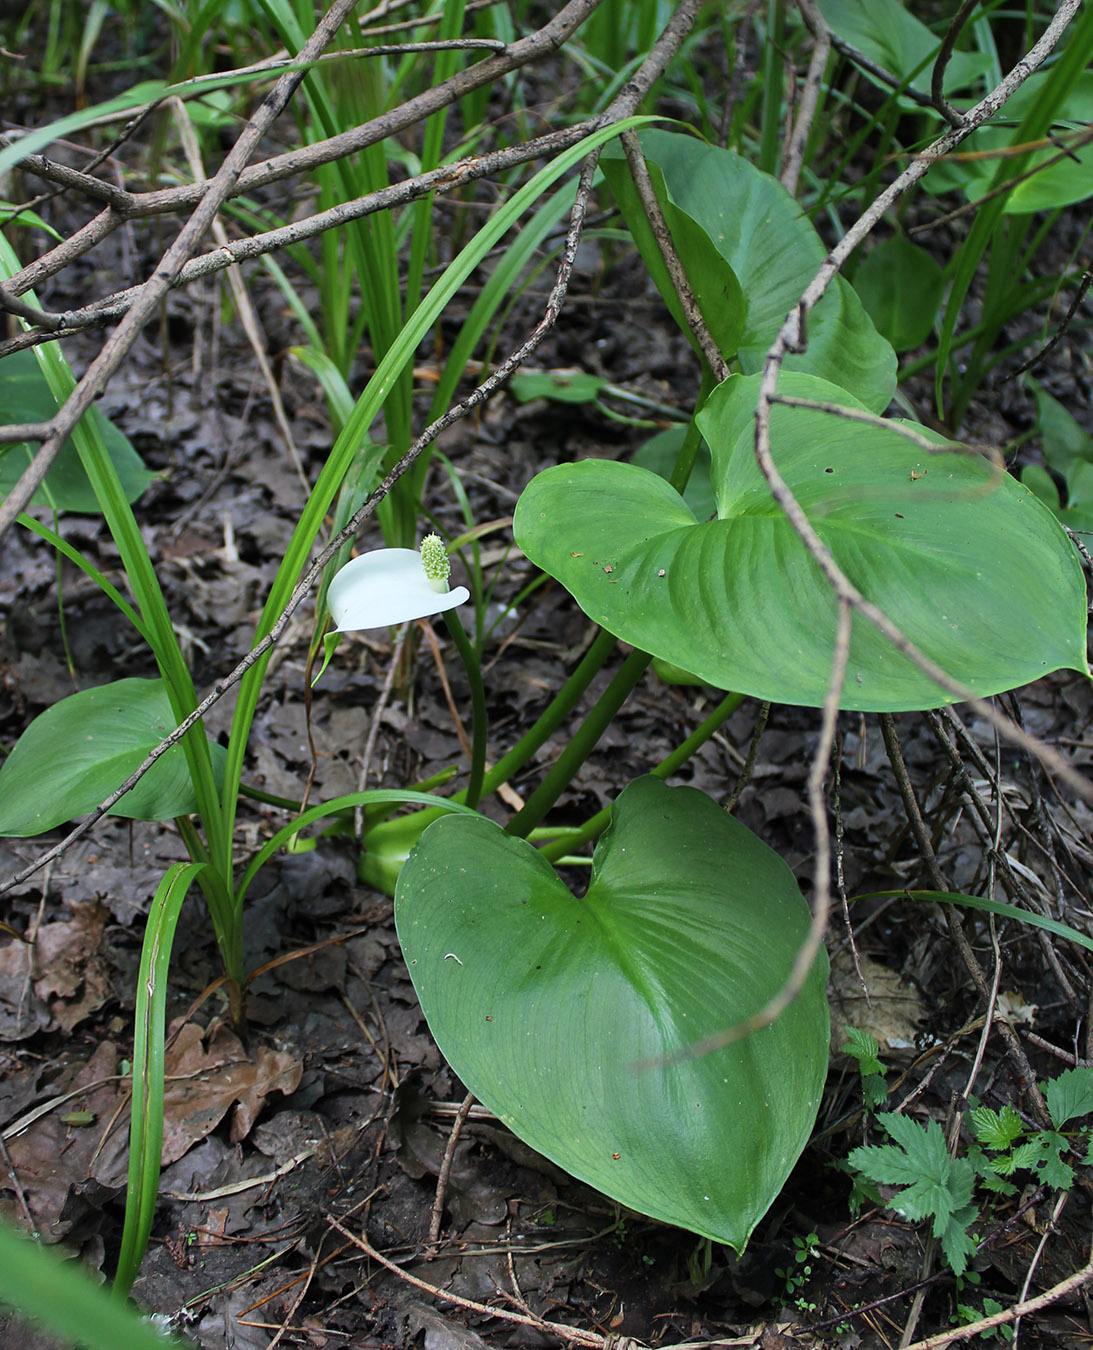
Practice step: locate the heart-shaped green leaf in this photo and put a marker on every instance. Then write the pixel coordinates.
(901, 287)
(773, 252)
(552, 1009)
(966, 561)
(714, 285)
(25, 397)
(76, 753)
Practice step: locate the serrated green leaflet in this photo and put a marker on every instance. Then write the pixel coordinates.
(551, 1009)
(968, 563)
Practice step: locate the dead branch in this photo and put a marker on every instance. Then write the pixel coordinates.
(157, 285)
(628, 99)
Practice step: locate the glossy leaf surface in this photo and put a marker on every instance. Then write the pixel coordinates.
(773, 251)
(77, 752)
(551, 1008)
(25, 397)
(966, 561)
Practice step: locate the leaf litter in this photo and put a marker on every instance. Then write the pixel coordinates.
(340, 1107)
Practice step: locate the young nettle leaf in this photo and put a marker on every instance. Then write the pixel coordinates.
(866, 1050)
(1070, 1096)
(568, 1017)
(996, 1129)
(1041, 1154)
(935, 1185)
(987, 1171)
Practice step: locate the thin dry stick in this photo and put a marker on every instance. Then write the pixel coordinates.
(948, 46)
(157, 285)
(571, 1334)
(1007, 1315)
(446, 1169)
(982, 825)
(125, 205)
(749, 763)
(1050, 1227)
(628, 99)
(247, 317)
(1060, 332)
(639, 172)
(810, 94)
(447, 178)
(791, 337)
(952, 917)
(907, 430)
(374, 726)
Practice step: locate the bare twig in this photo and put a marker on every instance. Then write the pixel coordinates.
(948, 46)
(130, 205)
(1000, 1319)
(1060, 332)
(571, 1334)
(810, 95)
(446, 1168)
(639, 172)
(952, 917)
(448, 178)
(13, 305)
(628, 98)
(157, 285)
(792, 338)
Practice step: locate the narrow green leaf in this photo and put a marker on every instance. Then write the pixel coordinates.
(60, 1295)
(146, 1122)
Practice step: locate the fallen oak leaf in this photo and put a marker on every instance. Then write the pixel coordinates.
(203, 1082)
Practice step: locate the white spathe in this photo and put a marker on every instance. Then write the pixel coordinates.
(384, 587)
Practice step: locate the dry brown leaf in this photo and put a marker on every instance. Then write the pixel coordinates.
(204, 1081)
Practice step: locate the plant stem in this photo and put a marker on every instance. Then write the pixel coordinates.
(473, 793)
(559, 708)
(573, 839)
(580, 747)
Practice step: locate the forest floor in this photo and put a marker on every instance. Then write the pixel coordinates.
(333, 1119)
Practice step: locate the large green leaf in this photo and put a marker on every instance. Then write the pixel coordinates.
(76, 753)
(25, 397)
(551, 1009)
(967, 562)
(714, 284)
(1065, 178)
(888, 33)
(774, 252)
(901, 287)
